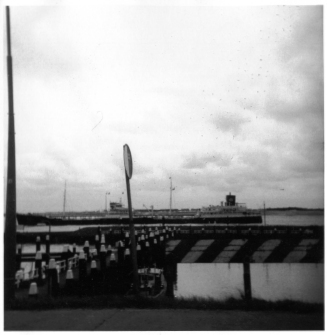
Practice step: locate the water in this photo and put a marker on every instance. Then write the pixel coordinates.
(273, 282)
(292, 219)
(279, 218)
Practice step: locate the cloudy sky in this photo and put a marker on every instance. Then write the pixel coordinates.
(222, 99)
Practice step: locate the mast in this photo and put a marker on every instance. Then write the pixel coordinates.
(10, 221)
(171, 194)
(64, 209)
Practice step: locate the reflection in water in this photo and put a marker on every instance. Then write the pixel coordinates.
(270, 281)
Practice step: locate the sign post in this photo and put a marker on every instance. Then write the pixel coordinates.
(128, 175)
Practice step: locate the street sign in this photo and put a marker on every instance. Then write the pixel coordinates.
(128, 161)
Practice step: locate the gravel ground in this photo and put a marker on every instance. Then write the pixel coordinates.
(159, 320)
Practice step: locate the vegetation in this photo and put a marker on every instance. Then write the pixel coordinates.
(101, 302)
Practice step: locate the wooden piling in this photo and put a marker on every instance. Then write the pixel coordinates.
(38, 243)
(53, 283)
(38, 266)
(97, 243)
(82, 267)
(19, 257)
(47, 248)
(103, 255)
(86, 249)
(247, 279)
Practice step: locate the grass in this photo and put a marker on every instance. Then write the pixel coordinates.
(112, 301)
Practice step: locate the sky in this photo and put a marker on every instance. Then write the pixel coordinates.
(221, 99)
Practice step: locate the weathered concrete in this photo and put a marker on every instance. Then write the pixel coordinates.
(159, 320)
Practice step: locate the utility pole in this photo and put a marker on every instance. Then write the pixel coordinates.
(10, 222)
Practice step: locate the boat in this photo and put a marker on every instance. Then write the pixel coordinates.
(150, 281)
(229, 212)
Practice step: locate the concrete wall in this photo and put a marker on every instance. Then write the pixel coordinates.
(300, 281)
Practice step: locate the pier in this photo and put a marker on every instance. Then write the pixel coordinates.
(107, 262)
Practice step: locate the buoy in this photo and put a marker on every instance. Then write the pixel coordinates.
(103, 239)
(93, 265)
(33, 291)
(103, 248)
(138, 248)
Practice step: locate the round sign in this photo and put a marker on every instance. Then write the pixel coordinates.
(128, 161)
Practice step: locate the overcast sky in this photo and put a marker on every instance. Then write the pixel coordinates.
(222, 99)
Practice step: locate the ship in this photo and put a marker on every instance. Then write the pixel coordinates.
(228, 212)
